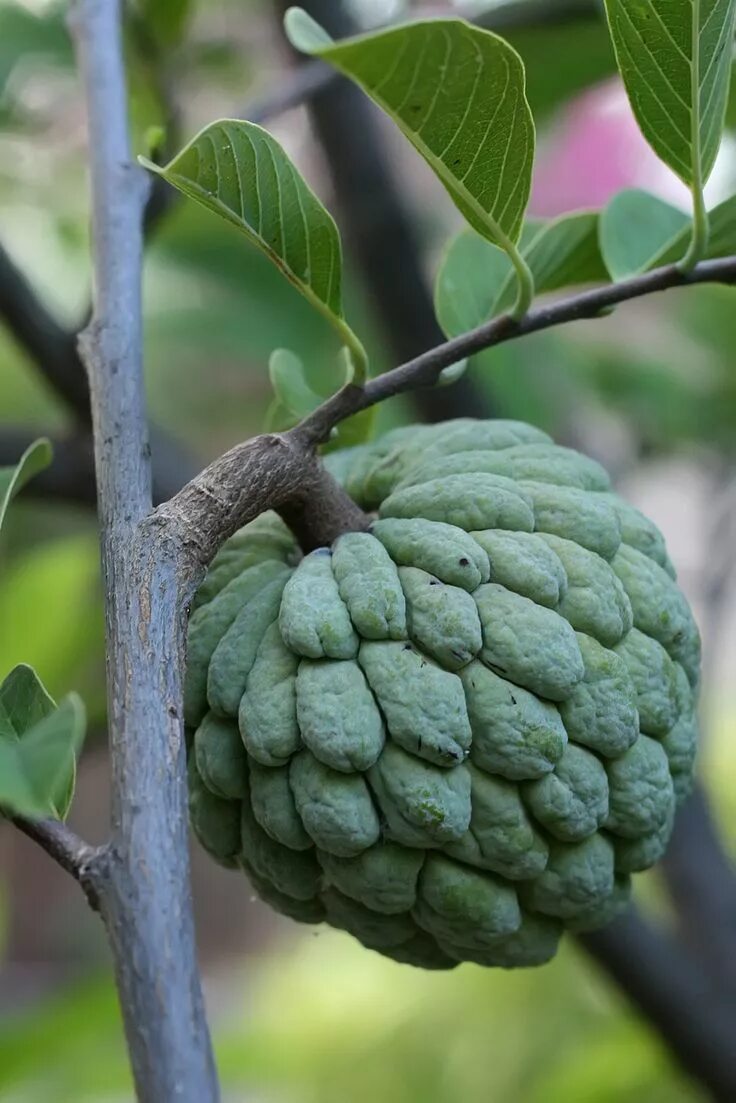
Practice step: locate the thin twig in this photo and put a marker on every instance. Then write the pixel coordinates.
(145, 896)
(66, 849)
(424, 370)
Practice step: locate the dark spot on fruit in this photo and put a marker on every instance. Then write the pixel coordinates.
(513, 699)
(407, 647)
(464, 562)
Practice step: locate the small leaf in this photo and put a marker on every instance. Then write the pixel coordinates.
(634, 228)
(294, 399)
(23, 702)
(38, 746)
(471, 275)
(12, 479)
(721, 240)
(561, 253)
(354, 430)
(675, 59)
(293, 393)
(240, 172)
(457, 93)
(450, 375)
(475, 281)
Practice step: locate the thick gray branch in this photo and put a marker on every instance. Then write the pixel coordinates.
(144, 879)
(276, 471)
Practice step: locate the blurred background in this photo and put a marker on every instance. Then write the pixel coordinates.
(302, 1015)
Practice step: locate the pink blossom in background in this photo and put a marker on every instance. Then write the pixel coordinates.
(593, 151)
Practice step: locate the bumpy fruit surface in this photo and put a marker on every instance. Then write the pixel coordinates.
(459, 734)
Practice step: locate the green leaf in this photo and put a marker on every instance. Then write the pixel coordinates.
(457, 93)
(652, 246)
(293, 393)
(238, 171)
(721, 239)
(470, 277)
(561, 253)
(450, 375)
(12, 479)
(675, 59)
(294, 399)
(38, 746)
(475, 280)
(634, 228)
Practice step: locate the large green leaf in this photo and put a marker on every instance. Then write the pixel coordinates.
(238, 171)
(475, 281)
(634, 227)
(12, 479)
(457, 93)
(38, 746)
(675, 58)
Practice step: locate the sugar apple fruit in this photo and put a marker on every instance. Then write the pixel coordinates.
(460, 733)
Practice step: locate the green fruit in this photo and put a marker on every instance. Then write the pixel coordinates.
(458, 734)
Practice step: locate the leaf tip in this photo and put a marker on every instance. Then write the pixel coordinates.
(304, 33)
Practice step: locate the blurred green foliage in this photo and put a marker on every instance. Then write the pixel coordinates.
(323, 1020)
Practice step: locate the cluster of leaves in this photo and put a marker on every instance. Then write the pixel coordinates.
(458, 93)
(39, 741)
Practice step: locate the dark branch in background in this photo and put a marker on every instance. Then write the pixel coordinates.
(53, 349)
(537, 13)
(300, 87)
(702, 883)
(378, 227)
(659, 977)
(51, 346)
(71, 476)
(66, 849)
